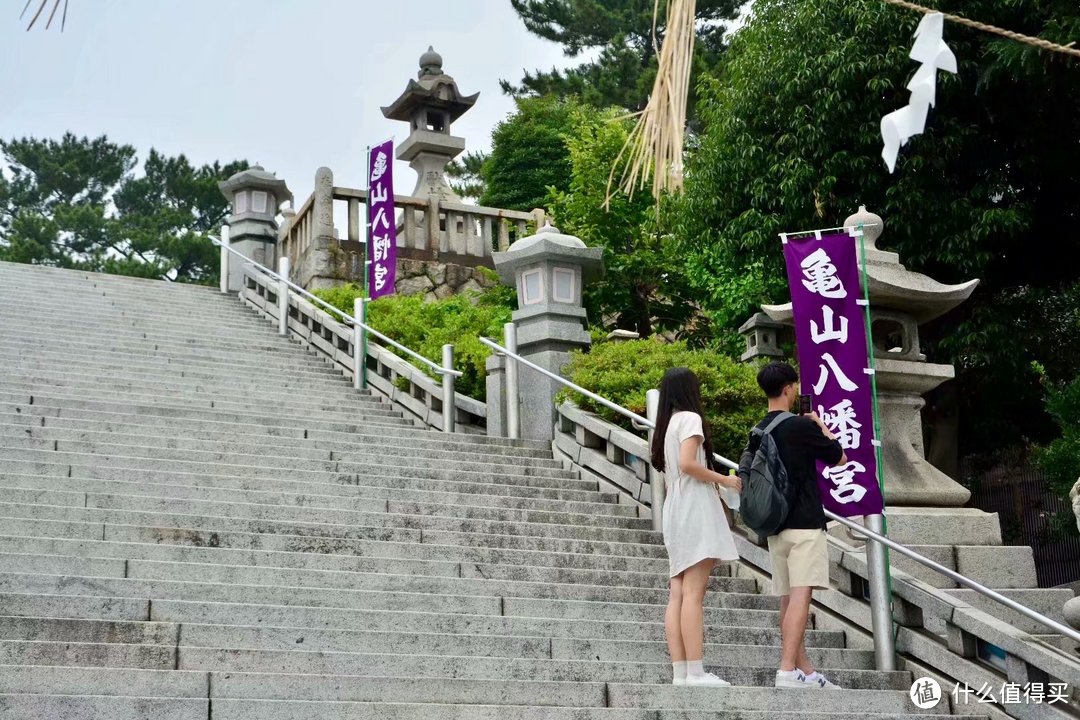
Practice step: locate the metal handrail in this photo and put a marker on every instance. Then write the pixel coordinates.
(904, 550)
(438, 369)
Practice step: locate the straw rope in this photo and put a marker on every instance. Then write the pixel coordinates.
(655, 145)
(1027, 39)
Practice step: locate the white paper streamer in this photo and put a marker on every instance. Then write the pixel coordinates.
(929, 49)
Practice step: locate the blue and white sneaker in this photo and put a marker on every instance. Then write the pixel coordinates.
(794, 679)
(822, 681)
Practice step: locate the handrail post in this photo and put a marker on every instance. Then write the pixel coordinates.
(448, 408)
(359, 349)
(283, 296)
(513, 406)
(656, 483)
(881, 620)
(224, 268)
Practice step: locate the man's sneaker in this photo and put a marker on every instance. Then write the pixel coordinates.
(708, 680)
(794, 679)
(821, 680)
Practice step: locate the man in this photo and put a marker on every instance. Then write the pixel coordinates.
(800, 557)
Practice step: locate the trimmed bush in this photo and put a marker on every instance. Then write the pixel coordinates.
(623, 371)
(425, 327)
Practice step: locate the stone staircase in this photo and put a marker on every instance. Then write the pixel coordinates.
(200, 521)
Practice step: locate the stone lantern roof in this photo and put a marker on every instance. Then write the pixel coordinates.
(549, 244)
(433, 88)
(256, 178)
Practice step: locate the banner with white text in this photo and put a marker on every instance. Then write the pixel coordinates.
(382, 223)
(831, 339)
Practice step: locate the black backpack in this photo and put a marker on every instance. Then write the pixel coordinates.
(764, 503)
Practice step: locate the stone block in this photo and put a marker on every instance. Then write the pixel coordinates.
(414, 285)
(1006, 566)
(943, 526)
(437, 273)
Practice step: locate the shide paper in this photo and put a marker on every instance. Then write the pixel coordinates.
(931, 51)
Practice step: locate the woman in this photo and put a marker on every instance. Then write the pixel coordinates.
(696, 531)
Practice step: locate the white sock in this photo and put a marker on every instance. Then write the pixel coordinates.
(695, 668)
(678, 670)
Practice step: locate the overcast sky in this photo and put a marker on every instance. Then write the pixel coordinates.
(291, 84)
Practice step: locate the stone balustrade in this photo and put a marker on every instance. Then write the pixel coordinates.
(431, 231)
(407, 387)
(936, 629)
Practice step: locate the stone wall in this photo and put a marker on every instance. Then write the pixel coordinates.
(436, 280)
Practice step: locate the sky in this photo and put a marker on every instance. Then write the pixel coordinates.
(290, 84)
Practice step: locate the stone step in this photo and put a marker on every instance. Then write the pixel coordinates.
(118, 632)
(151, 570)
(348, 497)
(94, 707)
(316, 462)
(89, 707)
(113, 682)
(344, 411)
(111, 560)
(403, 594)
(349, 436)
(16, 459)
(147, 657)
(256, 444)
(385, 486)
(159, 366)
(163, 408)
(334, 390)
(574, 539)
(483, 667)
(185, 537)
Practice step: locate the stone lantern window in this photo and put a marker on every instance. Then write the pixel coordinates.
(563, 289)
(240, 204)
(258, 201)
(532, 287)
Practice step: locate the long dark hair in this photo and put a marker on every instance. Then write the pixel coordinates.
(680, 390)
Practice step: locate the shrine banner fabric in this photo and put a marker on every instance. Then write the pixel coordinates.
(831, 341)
(382, 223)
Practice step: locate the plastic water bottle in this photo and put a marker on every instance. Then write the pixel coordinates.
(730, 497)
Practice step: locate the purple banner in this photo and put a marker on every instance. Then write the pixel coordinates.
(831, 338)
(382, 223)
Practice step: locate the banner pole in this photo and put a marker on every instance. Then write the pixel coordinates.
(367, 253)
(877, 555)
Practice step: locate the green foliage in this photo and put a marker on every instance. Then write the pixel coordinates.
(466, 175)
(425, 327)
(75, 203)
(1060, 460)
(528, 155)
(622, 31)
(623, 371)
(643, 288)
(791, 141)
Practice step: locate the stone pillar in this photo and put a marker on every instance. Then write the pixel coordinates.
(255, 196)
(549, 270)
(317, 264)
(496, 396)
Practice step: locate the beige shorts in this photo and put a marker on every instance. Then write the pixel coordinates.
(800, 558)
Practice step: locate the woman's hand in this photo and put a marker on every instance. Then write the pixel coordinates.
(733, 482)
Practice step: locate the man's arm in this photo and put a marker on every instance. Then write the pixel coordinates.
(826, 451)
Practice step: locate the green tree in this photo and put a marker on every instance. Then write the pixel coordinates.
(622, 32)
(466, 175)
(75, 203)
(791, 141)
(643, 288)
(528, 155)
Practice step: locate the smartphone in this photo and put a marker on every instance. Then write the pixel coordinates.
(806, 404)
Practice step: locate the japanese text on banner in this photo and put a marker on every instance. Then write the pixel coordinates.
(831, 339)
(382, 224)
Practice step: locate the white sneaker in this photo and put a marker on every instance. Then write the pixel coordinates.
(794, 679)
(822, 681)
(708, 679)
(678, 681)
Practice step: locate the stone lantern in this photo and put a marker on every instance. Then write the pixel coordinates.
(762, 338)
(430, 104)
(549, 270)
(255, 195)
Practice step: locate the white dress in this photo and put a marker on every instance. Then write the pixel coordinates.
(695, 527)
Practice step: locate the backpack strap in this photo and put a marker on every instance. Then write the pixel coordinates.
(775, 421)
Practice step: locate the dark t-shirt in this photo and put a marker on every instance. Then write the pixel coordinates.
(801, 444)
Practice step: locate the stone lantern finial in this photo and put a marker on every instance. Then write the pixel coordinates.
(430, 63)
(872, 224)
